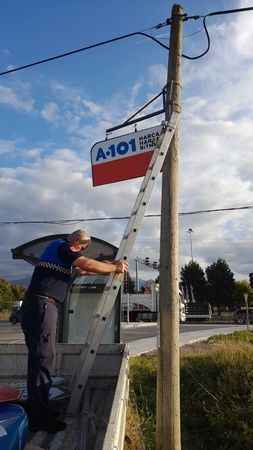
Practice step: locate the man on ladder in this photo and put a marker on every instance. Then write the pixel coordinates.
(48, 289)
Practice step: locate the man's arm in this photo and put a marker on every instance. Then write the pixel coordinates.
(91, 265)
(79, 272)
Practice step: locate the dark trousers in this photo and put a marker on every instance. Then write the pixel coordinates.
(39, 321)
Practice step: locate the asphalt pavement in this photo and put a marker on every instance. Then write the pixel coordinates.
(140, 330)
(189, 333)
(141, 337)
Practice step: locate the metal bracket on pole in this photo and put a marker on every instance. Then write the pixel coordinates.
(102, 314)
(131, 120)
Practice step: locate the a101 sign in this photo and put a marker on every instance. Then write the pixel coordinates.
(123, 157)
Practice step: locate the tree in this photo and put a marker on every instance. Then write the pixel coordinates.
(6, 297)
(9, 294)
(18, 291)
(193, 276)
(242, 287)
(221, 284)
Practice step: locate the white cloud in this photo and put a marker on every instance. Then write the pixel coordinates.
(93, 107)
(86, 120)
(10, 67)
(157, 74)
(50, 112)
(242, 33)
(33, 153)
(7, 146)
(10, 97)
(133, 97)
(57, 186)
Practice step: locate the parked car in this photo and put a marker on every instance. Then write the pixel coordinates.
(15, 316)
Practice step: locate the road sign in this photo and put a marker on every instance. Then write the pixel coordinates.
(123, 157)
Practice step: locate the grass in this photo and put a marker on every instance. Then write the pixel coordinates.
(143, 394)
(216, 394)
(134, 439)
(237, 336)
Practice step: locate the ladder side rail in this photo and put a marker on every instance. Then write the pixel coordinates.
(114, 282)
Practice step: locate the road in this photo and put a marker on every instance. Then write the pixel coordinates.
(130, 333)
(10, 334)
(140, 337)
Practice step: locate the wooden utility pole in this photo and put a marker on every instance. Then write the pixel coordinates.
(168, 386)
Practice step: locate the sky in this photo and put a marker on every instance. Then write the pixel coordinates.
(52, 114)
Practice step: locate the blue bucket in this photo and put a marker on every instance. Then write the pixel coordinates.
(13, 427)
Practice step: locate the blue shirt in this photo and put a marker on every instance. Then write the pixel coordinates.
(52, 275)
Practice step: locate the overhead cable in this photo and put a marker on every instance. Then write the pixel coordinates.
(88, 47)
(192, 58)
(230, 11)
(211, 14)
(217, 13)
(137, 33)
(99, 219)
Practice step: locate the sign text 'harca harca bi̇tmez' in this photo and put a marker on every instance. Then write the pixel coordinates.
(123, 157)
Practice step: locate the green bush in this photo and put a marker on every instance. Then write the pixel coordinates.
(216, 395)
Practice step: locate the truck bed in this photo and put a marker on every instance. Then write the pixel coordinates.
(101, 422)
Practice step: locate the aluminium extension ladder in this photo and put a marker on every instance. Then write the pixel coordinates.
(104, 308)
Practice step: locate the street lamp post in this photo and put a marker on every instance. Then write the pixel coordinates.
(156, 298)
(190, 231)
(136, 276)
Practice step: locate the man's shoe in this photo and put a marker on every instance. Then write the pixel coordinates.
(52, 426)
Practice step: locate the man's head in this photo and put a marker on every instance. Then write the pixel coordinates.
(79, 239)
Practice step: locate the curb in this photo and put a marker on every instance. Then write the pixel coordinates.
(126, 325)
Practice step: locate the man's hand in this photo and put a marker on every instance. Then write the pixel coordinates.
(121, 266)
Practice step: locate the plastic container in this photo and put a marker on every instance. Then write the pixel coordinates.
(13, 427)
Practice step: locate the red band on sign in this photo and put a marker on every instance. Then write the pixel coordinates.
(121, 169)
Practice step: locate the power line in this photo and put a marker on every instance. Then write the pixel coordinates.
(89, 47)
(218, 13)
(137, 33)
(211, 14)
(193, 58)
(203, 211)
(100, 219)
(229, 11)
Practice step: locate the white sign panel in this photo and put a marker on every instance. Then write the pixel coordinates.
(123, 157)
